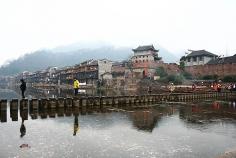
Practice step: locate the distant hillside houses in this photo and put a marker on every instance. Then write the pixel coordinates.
(142, 64)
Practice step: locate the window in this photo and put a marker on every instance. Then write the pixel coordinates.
(201, 58)
(188, 59)
(194, 59)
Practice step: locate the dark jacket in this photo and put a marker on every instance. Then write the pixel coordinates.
(23, 86)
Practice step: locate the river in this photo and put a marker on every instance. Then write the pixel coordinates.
(203, 129)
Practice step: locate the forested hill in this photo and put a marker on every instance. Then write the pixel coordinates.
(42, 59)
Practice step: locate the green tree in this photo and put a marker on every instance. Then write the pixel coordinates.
(161, 72)
(187, 75)
(182, 65)
(229, 78)
(210, 77)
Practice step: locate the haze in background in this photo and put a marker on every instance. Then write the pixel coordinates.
(177, 25)
(71, 55)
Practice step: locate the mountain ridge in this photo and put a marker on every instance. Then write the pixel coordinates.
(43, 59)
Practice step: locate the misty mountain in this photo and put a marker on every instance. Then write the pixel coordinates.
(68, 56)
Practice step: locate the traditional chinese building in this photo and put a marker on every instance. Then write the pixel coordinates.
(198, 57)
(145, 61)
(92, 71)
(220, 66)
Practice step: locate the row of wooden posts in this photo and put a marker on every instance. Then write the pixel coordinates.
(112, 101)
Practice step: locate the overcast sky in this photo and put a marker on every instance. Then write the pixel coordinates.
(177, 25)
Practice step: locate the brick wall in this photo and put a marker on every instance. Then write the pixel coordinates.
(220, 69)
(150, 67)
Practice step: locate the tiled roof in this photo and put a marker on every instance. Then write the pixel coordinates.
(201, 53)
(145, 48)
(225, 60)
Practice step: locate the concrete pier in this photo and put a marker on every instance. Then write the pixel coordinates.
(52, 103)
(43, 103)
(68, 102)
(60, 102)
(3, 110)
(58, 107)
(76, 103)
(24, 104)
(34, 103)
(14, 104)
(115, 101)
(3, 105)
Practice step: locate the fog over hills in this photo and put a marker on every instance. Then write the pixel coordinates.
(70, 55)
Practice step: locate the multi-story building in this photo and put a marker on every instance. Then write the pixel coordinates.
(144, 54)
(43, 76)
(198, 57)
(92, 71)
(220, 66)
(144, 61)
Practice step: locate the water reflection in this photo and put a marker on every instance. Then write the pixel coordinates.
(3, 115)
(76, 125)
(22, 129)
(148, 119)
(143, 119)
(202, 113)
(187, 131)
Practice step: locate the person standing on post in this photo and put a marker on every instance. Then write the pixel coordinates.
(23, 88)
(76, 86)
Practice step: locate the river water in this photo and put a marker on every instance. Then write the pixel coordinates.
(203, 129)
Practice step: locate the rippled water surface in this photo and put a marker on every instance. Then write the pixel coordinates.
(192, 130)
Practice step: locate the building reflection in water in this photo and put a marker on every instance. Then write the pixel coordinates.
(200, 113)
(147, 120)
(143, 119)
